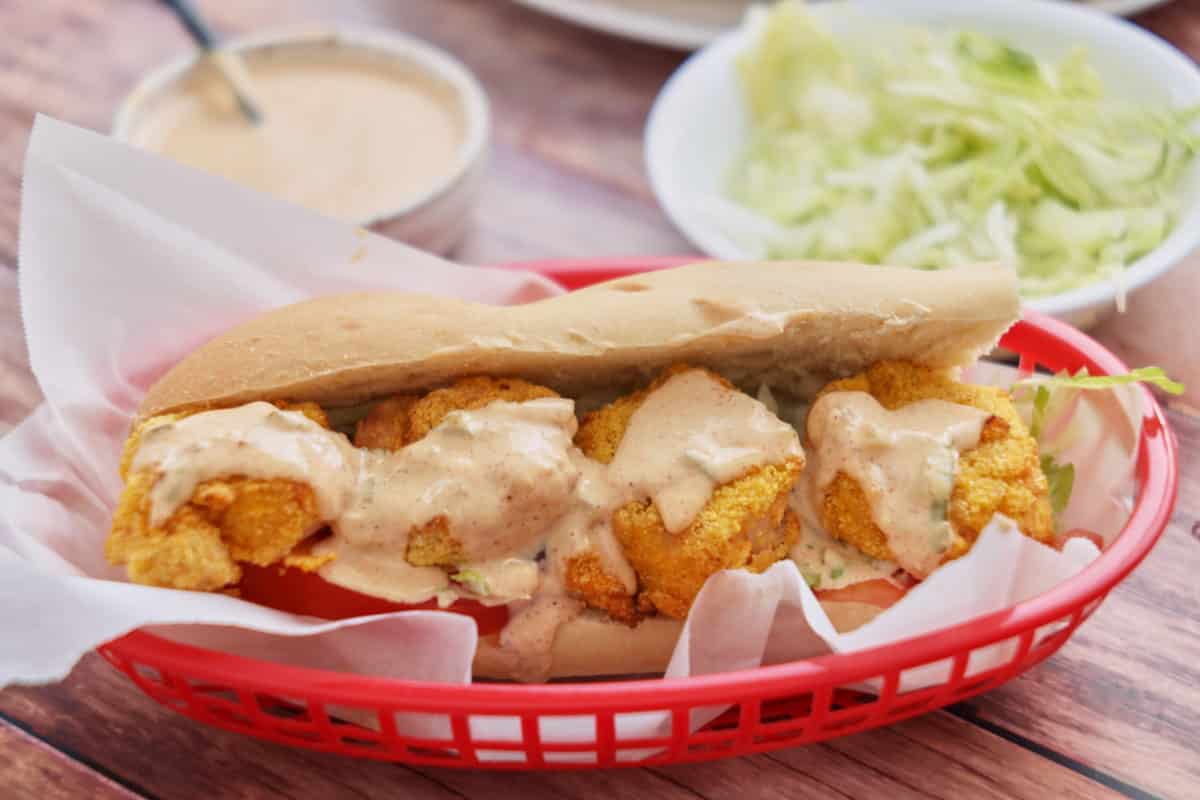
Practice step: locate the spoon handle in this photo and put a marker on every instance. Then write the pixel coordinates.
(229, 65)
(190, 19)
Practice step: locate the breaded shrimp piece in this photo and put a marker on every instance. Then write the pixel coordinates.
(1001, 474)
(433, 545)
(468, 394)
(310, 410)
(185, 553)
(402, 420)
(746, 523)
(386, 425)
(587, 578)
(226, 521)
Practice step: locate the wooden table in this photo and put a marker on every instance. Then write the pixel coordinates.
(1116, 712)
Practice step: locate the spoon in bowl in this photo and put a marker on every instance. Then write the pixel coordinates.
(227, 63)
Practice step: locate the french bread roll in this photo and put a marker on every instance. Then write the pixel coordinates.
(792, 325)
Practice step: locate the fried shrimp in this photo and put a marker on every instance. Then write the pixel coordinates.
(404, 419)
(399, 421)
(586, 578)
(386, 425)
(745, 524)
(226, 521)
(1001, 474)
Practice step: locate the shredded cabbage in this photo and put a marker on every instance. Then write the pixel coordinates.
(932, 149)
(1155, 376)
(474, 580)
(1061, 476)
(1043, 387)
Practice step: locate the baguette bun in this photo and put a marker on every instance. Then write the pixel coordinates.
(593, 645)
(795, 326)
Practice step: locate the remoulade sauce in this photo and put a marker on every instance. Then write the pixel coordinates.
(346, 133)
(507, 478)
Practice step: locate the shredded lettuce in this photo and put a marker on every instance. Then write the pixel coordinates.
(933, 149)
(1042, 388)
(1155, 376)
(1061, 477)
(474, 580)
(1041, 402)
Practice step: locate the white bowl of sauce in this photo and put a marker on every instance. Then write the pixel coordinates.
(371, 127)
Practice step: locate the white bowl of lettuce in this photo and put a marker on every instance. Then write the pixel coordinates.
(933, 133)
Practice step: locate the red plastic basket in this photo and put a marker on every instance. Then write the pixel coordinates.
(768, 707)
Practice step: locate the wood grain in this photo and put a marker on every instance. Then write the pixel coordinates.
(566, 179)
(932, 756)
(33, 770)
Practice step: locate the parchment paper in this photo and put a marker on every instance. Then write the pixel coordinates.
(129, 261)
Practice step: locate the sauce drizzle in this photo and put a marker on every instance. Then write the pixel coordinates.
(506, 478)
(905, 462)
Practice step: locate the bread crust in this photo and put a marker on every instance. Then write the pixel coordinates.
(793, 324)
(594, 646)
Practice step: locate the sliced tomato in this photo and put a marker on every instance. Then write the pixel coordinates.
(300, 592)
(877, 592)
(1081, 533)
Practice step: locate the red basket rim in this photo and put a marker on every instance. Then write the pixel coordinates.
(1157, 469)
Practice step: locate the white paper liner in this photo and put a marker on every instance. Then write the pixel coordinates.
(129, 261)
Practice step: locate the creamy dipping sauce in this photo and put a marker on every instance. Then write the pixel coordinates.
(587, 526)
(905, 462)
(528, 638)
(691, 435)
(506, 478)
(827, 563)
(345, 133)
(688, 436)
(499, 475)
(256, 440)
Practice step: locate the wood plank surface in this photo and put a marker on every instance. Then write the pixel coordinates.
(30, 769)
(1117, 711)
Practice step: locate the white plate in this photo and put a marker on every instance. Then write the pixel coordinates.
(1125, 8)
(688, 24)
(682, 24)
(698, 125)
